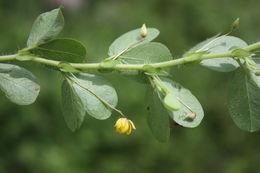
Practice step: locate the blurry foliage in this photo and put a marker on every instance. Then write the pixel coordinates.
(35, 138)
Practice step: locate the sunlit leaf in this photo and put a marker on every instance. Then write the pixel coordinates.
(93, 91)
(47, 26)
(147, 53)
(217, 45)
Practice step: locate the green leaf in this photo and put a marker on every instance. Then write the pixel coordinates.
(244, 100)
(201, 47)
(218, 45)
(19, 85)
(257, 61)
(62, 49)
(93, 91)
(72, 106)
(131, 38)
(158, 119)
(257, 71)
(134, 75)
(47, 26)
(147, 53)
(188, 101)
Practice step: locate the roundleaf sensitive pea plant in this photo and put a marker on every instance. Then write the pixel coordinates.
(134, 54)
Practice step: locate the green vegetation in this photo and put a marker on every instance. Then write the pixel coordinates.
(32, 131)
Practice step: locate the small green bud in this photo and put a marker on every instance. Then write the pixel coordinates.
(143, 31)
(171, 102)
(234, 25)
(257, 73)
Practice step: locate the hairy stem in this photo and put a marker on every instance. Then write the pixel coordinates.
(170, 63)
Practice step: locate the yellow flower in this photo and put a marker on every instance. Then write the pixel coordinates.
(123, 125)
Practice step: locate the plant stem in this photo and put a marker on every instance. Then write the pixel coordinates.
(157, 81)
(170, 63)
(8, 57)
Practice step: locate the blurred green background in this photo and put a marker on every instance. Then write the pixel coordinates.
(35, 138)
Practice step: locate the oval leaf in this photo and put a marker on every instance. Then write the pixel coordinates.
(147, 53)
(72, 106)
(256, 78)
(187, 98)
(244, 101)
(221, 44)
(158, 119)
(47, 26)
(131, 38)
(62, 49)
(93, 90)
(19, 85)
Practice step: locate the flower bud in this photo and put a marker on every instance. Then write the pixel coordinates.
(171, 102)
(235, 25)
(143, 31)
(123, 125)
